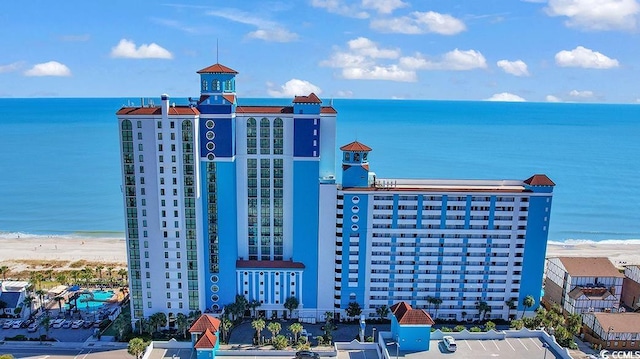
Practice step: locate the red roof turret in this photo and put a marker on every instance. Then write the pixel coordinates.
(539, 180)
(217, 69)
(355, 146)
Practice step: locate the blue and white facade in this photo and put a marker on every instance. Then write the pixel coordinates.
(223, 199)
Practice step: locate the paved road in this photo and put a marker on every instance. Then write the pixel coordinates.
(44, 352)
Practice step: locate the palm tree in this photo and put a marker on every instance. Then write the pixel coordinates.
(527, 303)
(158, 320)
(48, 273)
(75, 275)
(182, 322)
(45, 321)
(291, 304)
(382, 311)
(136, 347)
(99, 269)
(253, 305)
(258, 325)
(40, 293)
(86, 274)
(436, 302)
(295, 329)
(430, 301)
(3, 271)
(110, 273)
(274, 328)
(27, 302)
(483, 308)
(123, 274)
(36, 279)
(62, 278)
(226, 327)
(59, 299)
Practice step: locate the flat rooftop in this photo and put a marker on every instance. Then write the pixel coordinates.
(443, 185)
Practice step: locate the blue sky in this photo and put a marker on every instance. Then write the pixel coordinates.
(534, 50)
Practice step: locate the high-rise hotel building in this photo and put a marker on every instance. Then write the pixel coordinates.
(224, 199)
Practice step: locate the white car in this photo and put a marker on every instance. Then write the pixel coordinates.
(56, 324)
(16, 324)
(7, 324)
(449, 343)
(77, 324)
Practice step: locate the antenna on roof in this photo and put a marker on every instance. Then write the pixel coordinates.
(217, 61)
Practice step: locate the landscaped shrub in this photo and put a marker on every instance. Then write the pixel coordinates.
(446, 330)
(516, 324)
(489, 326)
(280, 342)
(475, 330)
(459, 328)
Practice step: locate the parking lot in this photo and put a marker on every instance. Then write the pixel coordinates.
(64, 334)
(522, 348)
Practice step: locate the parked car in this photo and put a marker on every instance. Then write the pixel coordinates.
(304, 333)
(77, 324)
(66, 324)
(16, 324)
(7, 324)
(32, 328)
(307, 354)
(449, 343)
(87, 324)
(57, 323)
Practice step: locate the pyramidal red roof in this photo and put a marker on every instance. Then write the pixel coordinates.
(312, 98)
(539, 180)
(207, 340)
(204, 323)
(409, 316)
(217, 69)
(356, 147)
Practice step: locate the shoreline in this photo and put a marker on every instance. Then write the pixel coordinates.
(113, 250)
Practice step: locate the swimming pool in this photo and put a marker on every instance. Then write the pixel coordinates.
(91, 300)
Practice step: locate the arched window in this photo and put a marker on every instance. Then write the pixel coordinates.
(251, 136)
(227, 85)
(264, 136)
(215, 85)
(278, 132)
(204, 85)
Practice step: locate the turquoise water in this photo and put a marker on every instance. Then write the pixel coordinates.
(99, 298)
(60, 173)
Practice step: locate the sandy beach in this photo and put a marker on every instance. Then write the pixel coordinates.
(112, 250)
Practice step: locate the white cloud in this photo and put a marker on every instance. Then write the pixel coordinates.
(585, 58)
(515, 68)
(551, 98)
(420, 23)
(365, 47)
(127, 49)
(267, 30)
(14, 66)
(389, 73)
(456, 60)
(294, 87)
(339, 7)
(581, 94)
(597, 14)
(384, 6)
(51, 68)
(506, 97)
(274, 35)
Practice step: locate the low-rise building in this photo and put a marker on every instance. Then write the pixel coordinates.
(411, 328)
(583, 284)
(12, 293)
(631, 287)
(614, 331)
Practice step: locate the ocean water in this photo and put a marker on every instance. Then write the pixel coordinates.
(60, 172)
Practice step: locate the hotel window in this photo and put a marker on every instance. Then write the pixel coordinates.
(215, 85)
(141, 169)
(141, 158)
(278, 132)
(264, 136)
(139, 135)
(161, 180)
(173, 137)
(251, 136)
(141, 180)
(139, 124)
(144, 202)
(160, 136)
(173, 147)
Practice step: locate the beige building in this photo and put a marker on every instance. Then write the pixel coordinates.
(583, 284)
(614, 331)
